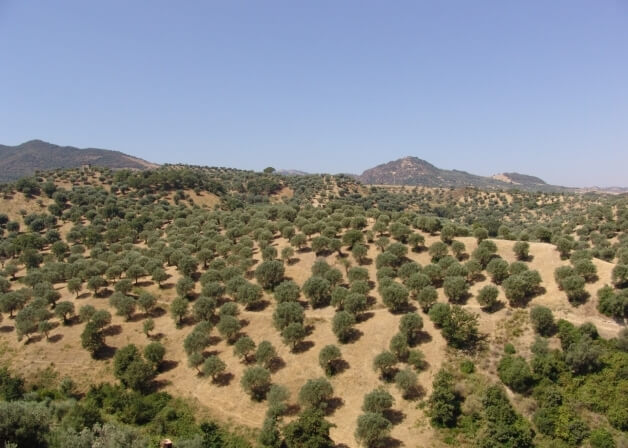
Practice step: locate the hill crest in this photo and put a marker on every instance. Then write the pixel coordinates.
(34, 155)
(415, 171)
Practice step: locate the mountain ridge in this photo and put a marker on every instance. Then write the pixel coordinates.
(36, 155)
(414, 171)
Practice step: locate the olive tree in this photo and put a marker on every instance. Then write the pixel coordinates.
(328, 359)
(213, 366)
(316, 393)
(378, 400)
(372, 429)
(342, 326)
(256, 382)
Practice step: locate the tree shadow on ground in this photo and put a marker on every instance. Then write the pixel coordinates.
(332, 404)
(415, 393)
(363, 317)
(339, 366)
(394, 416)
(157, 312)
(223, 379)
(276, 364)
(303, 347)
(112, 330)
(354, 336)
(259, 306)
(167, 365)
(156, 336)
(390, 442)
(55, 338)
(292, 409)
(106, 352)
(213, 340)
(423, 337)
(156, 385)
(104, 293)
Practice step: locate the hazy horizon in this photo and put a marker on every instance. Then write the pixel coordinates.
(537, 88)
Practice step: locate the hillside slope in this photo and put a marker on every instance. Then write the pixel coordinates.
(25, 159)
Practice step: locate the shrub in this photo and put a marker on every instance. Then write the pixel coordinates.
(131, 369)
(204, 308)
(456, 288)
(309, 430)
(498, 269)
(521, 250)
(287, 313)
(318, 291)
(406, 382)
(372, 429)
(356, 303)
(583, 356)
(444, 403)
(315, 393)
(265, 354)
(619, 275)
(328, 359)
(515, 373)
(287, 291)
(154, 353)
(427, 297)
(293, 334)
(395, 297)
(179, 309)
(487, 297)
(342, 326)
(256, 382)
(378, 400)
(460, 328)
(410, 326)
(586, 269)
(416, 359)
(249, 294)
(601, 438)
(385, 363)
(213, 366)
(521, 286)
(467, 367)
(243, 347)
(542, 320)
(611, 303)
(269, 273)
(573, 286)
(439, 313)
(228, 327)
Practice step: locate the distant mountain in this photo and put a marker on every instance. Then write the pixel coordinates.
(292, 173)
(25, 159)
(415, 171)
(608, 190)
(519, 179)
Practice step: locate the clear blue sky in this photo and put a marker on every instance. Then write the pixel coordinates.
(540, 87)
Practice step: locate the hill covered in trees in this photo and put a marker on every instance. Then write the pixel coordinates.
(223, 307)
(36, 155)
